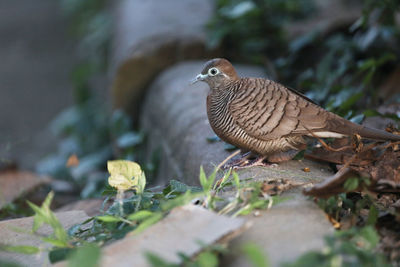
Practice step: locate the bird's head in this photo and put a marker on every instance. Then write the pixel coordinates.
(217, 72)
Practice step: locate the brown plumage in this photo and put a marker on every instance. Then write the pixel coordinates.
(262, 116)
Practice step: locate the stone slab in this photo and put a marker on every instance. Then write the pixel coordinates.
(15, 183)
(182, 231)
(284, 232)
(10, 237)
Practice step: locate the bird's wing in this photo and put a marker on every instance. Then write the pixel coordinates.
(267, 110)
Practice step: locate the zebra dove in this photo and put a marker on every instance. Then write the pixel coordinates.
(267, 118)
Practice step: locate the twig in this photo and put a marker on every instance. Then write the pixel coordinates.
(325, 145)
(228, 158)
(392, 144)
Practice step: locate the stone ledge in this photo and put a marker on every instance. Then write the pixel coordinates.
(11, 236)
(144, 45)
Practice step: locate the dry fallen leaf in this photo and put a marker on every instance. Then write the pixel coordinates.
(332, 220)
(72, 161)
(375, 162)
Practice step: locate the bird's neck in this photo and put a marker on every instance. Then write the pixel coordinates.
(218, 100)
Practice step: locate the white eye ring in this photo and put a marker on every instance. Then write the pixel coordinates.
(213, 71)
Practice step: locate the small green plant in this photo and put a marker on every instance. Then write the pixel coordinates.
(354, 247)
(210, 257)
(136, 207)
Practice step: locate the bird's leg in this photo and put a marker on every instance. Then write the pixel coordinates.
(243, 160)
(268, 161)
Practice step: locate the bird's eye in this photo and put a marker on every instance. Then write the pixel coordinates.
(213, 71)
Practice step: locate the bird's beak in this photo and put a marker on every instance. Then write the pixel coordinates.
(200, 77)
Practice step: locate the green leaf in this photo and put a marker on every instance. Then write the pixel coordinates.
(213, 139)
(20, 249)
(156, 261)
(87, 255)
(371, 236)
(177, 186)
(203, 178)
(255, 255)
(148, 222)
(129, 139)
(238, 10)
(372, 215)
(108, 218)
(236, 179)
(59, 254)
(351, 184)
(141, 184)
(179, 201)
(224, 180)
(140, 215)
(207, 259)
(44, 214)
(5, 263)
(259, 204)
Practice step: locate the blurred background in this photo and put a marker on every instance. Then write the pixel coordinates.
(60, 107)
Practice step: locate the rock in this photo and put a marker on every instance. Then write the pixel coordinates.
(144, 45)
(14, 238)
(15, 183)
(284, 232)
(185, 230)
(174, 116)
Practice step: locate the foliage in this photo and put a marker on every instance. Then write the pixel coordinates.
(354, 247)
(255, 255)
(94, 136)
(135, 208)
(340, 70)
(209, 257)
(88, 255)
(254, 28)
(90, 23)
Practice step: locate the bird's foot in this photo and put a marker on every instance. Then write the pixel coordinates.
(243, 160)
(248, 160)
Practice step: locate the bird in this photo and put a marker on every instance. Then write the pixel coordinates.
(265, 118)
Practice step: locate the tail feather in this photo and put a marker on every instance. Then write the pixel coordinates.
(376, 134)
(350, 128)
